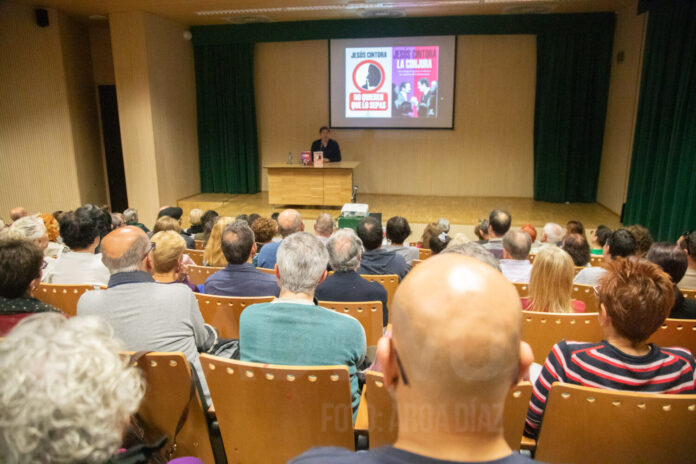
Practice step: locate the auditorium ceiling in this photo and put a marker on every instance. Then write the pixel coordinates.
(203, 12)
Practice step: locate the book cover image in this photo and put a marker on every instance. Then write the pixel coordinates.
(318, 159)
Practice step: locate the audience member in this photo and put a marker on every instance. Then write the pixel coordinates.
(32, 228)
(688, 243)
(130, 215)
(252, 217)
(551, 284)
(643, 239)
(168, 259)
(577, 247)
(117, 220)
(240, 277)
(575, 227)
(324, 227)
(275, 215)
(213, 255)
(531, 231)
(431, 230)
(444, 225)
(144, 314)
(20, 275)
(551, 236)
(264, 230)
(472, 250)
(292, 330)
(398, 230)
(80, 232)
(345, 284)
(242, 217)
(208, 221)
(439, 243)
(673, 261)
(165, 223)
(66, 393)
(375, 260)
(599, 238)
(515, 264)
(103, 219)
(499, 223)
(55, 247)
(635, 298)
(3, 229)
(481, 231)
(289, 222)
(195, 218)
(17, 212)
(620, 244)
(455, 352)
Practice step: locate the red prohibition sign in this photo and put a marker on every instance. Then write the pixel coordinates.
(381, 82)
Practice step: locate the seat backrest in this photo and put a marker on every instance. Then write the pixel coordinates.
(196, 256)
(271, 413)
(587, 425)
(266, 270)
(522, 289)
(168, 379)
(543, 330)
(368, 313)
(63, 297)
(676, 332)
(200, 244)
(596, 260)
(416, 262)
(389, 281)
(586, 294)
(531, 257)
(689, 294)
(198, 274)
(578, 269)
(424, 253)
(383, 415)
(223, 312)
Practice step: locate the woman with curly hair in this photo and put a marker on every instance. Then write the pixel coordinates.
(264, 231)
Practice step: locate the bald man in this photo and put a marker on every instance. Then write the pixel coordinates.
(453, 356)
(144, 314)
(324, 227)
(18, 212)
(289, 222)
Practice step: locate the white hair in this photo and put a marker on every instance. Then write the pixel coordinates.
(345, 249)
(554, 232)
(301, 261)
(130, 215)
(27, 228)
(473, 250)
(65, 392)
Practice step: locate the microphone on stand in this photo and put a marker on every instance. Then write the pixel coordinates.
(355, 194)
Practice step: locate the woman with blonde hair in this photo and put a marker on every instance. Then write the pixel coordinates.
(551, 283)
(168, 259)
(212, 255)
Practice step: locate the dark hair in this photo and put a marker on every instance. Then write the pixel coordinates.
(481, 228)
(602, 232)
(637, 295)
(437, 244)
(423, 81)
(575, 227)
(398, 229)
(208, 216)
(322, 128)
(79, 228)
(643, 238)
(370, 232)
(499, 221)
(621, 243)
(577, 247)
(252, 217)
(670, 258)
(275, 215)
(403, 84)
(243, 217)
(237, 241)
(21, 263)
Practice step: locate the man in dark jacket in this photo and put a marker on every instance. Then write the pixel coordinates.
(375, 260)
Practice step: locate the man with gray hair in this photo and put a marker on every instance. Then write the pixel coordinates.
(324, 227)
(289, 222)
(293, 330)
(131, 217)
(515, 264)
(473, 250)
(144, 314)
(551, 236)
(345, 284)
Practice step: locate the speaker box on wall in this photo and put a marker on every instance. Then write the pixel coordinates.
(41, 17)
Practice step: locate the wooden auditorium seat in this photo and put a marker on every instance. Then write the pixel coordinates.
(586, 294)
(689, 294)
(522, 289)
(223, 312)
(266, 270)
(273, 413)
(168, 379)
(196, 256)
(368, 313)
(198, 274)
(531, 257)
(383, 422)
(596, 260)
(676, 332)
(584, 425)
(390, 282)
(543, 330)
(416, 262)
(424, 253)
(63, 297)
(200, 244)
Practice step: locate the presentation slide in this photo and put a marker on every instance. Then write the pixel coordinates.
(399, 82)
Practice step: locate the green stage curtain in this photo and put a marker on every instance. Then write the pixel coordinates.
(227, 144)
(573, 71)
(662, 184)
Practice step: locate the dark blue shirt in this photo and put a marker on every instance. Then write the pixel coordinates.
(332, 151)
(387, 455)
(381, 262)
(267, 255)
(241, 280)
(349, 286)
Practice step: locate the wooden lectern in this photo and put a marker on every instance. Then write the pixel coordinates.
(294, 184)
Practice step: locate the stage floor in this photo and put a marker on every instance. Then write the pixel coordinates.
(460, 211)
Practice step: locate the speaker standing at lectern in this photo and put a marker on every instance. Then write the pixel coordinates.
(332, 152)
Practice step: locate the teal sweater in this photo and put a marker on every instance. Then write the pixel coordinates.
(302, 335)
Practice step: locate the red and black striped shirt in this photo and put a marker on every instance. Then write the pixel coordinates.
(601, 365)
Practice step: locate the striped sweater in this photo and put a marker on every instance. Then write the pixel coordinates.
(601, 365)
